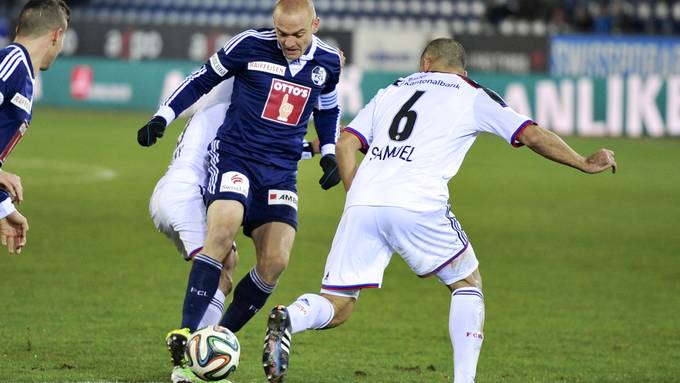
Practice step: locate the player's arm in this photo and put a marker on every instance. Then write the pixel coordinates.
(551, 146)
(327, 116)
(357, 136)
(221, 66)
(327, 122)
(493, 115)
(346, 151)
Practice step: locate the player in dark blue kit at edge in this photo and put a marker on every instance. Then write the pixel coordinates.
(280, 76)
(39, 39)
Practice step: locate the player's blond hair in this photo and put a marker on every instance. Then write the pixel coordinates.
(39, 17)
(445, 52)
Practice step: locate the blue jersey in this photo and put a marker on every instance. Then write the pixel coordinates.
(272, 100)
(16, 96)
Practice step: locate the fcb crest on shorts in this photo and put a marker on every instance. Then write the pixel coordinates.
(319, 76)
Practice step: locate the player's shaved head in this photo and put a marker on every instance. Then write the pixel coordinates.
(42, 16)
(295, 23)
(295, 6)
(444, 54)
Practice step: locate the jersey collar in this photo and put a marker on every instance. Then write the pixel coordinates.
(309, 54)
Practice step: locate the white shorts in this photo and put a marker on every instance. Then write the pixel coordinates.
(431, 243)
(178, 211)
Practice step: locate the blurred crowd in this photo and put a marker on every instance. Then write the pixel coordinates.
(508, 17)
(580, 16)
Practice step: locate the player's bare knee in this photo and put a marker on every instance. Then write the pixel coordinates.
(270, 266)
(343, 308)
(272, 261)
(472, 280)
(218, 243)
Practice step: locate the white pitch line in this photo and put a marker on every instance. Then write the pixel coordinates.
(61, 172)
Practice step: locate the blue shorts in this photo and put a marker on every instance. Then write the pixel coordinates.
(268, 193)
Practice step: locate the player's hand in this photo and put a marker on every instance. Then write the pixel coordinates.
(149, 133)
(13, 230)
(12, 184)
(600, 161)
(331, 175)
(309, 149)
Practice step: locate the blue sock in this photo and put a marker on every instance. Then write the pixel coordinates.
(250, 295)
(203, 282)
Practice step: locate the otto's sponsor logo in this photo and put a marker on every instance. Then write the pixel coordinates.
(22, 102)
(401, 152)
(286, 102)
(235, 182)
(283, 197)
(290, 88)
(263, 66)
(319, 76)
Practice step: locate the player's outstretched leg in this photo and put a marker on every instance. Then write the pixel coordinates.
(277, 345)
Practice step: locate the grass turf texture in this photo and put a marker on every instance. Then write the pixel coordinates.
(581, 272)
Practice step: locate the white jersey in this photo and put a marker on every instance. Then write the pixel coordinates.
(417, 132)
(190, 159)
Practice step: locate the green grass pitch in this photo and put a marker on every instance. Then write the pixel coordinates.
(581, 273)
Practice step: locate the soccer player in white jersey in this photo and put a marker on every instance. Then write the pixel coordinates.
(415, 133)
(178, 209)
(39, 39)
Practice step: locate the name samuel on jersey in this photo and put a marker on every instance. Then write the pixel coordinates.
(401, 152)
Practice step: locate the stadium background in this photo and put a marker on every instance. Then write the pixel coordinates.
(581, 273)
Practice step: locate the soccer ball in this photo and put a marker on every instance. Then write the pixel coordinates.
(213, 352)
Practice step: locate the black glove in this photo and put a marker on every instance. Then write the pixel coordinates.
(331, 175)
(154, 129)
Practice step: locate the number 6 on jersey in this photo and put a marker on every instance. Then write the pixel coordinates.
(409, 115)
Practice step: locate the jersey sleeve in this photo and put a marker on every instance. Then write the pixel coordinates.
(11, 97)
(10, 85)
(224, 64)
(6, 205)
(493, 115)
(362, 124)
(327, 113)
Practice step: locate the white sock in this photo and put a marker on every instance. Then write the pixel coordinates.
(310, 311)
(466, 320)
(213, 313)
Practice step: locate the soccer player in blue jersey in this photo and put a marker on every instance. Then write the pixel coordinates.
(178, 210)
(39, 39)
(281, 77)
